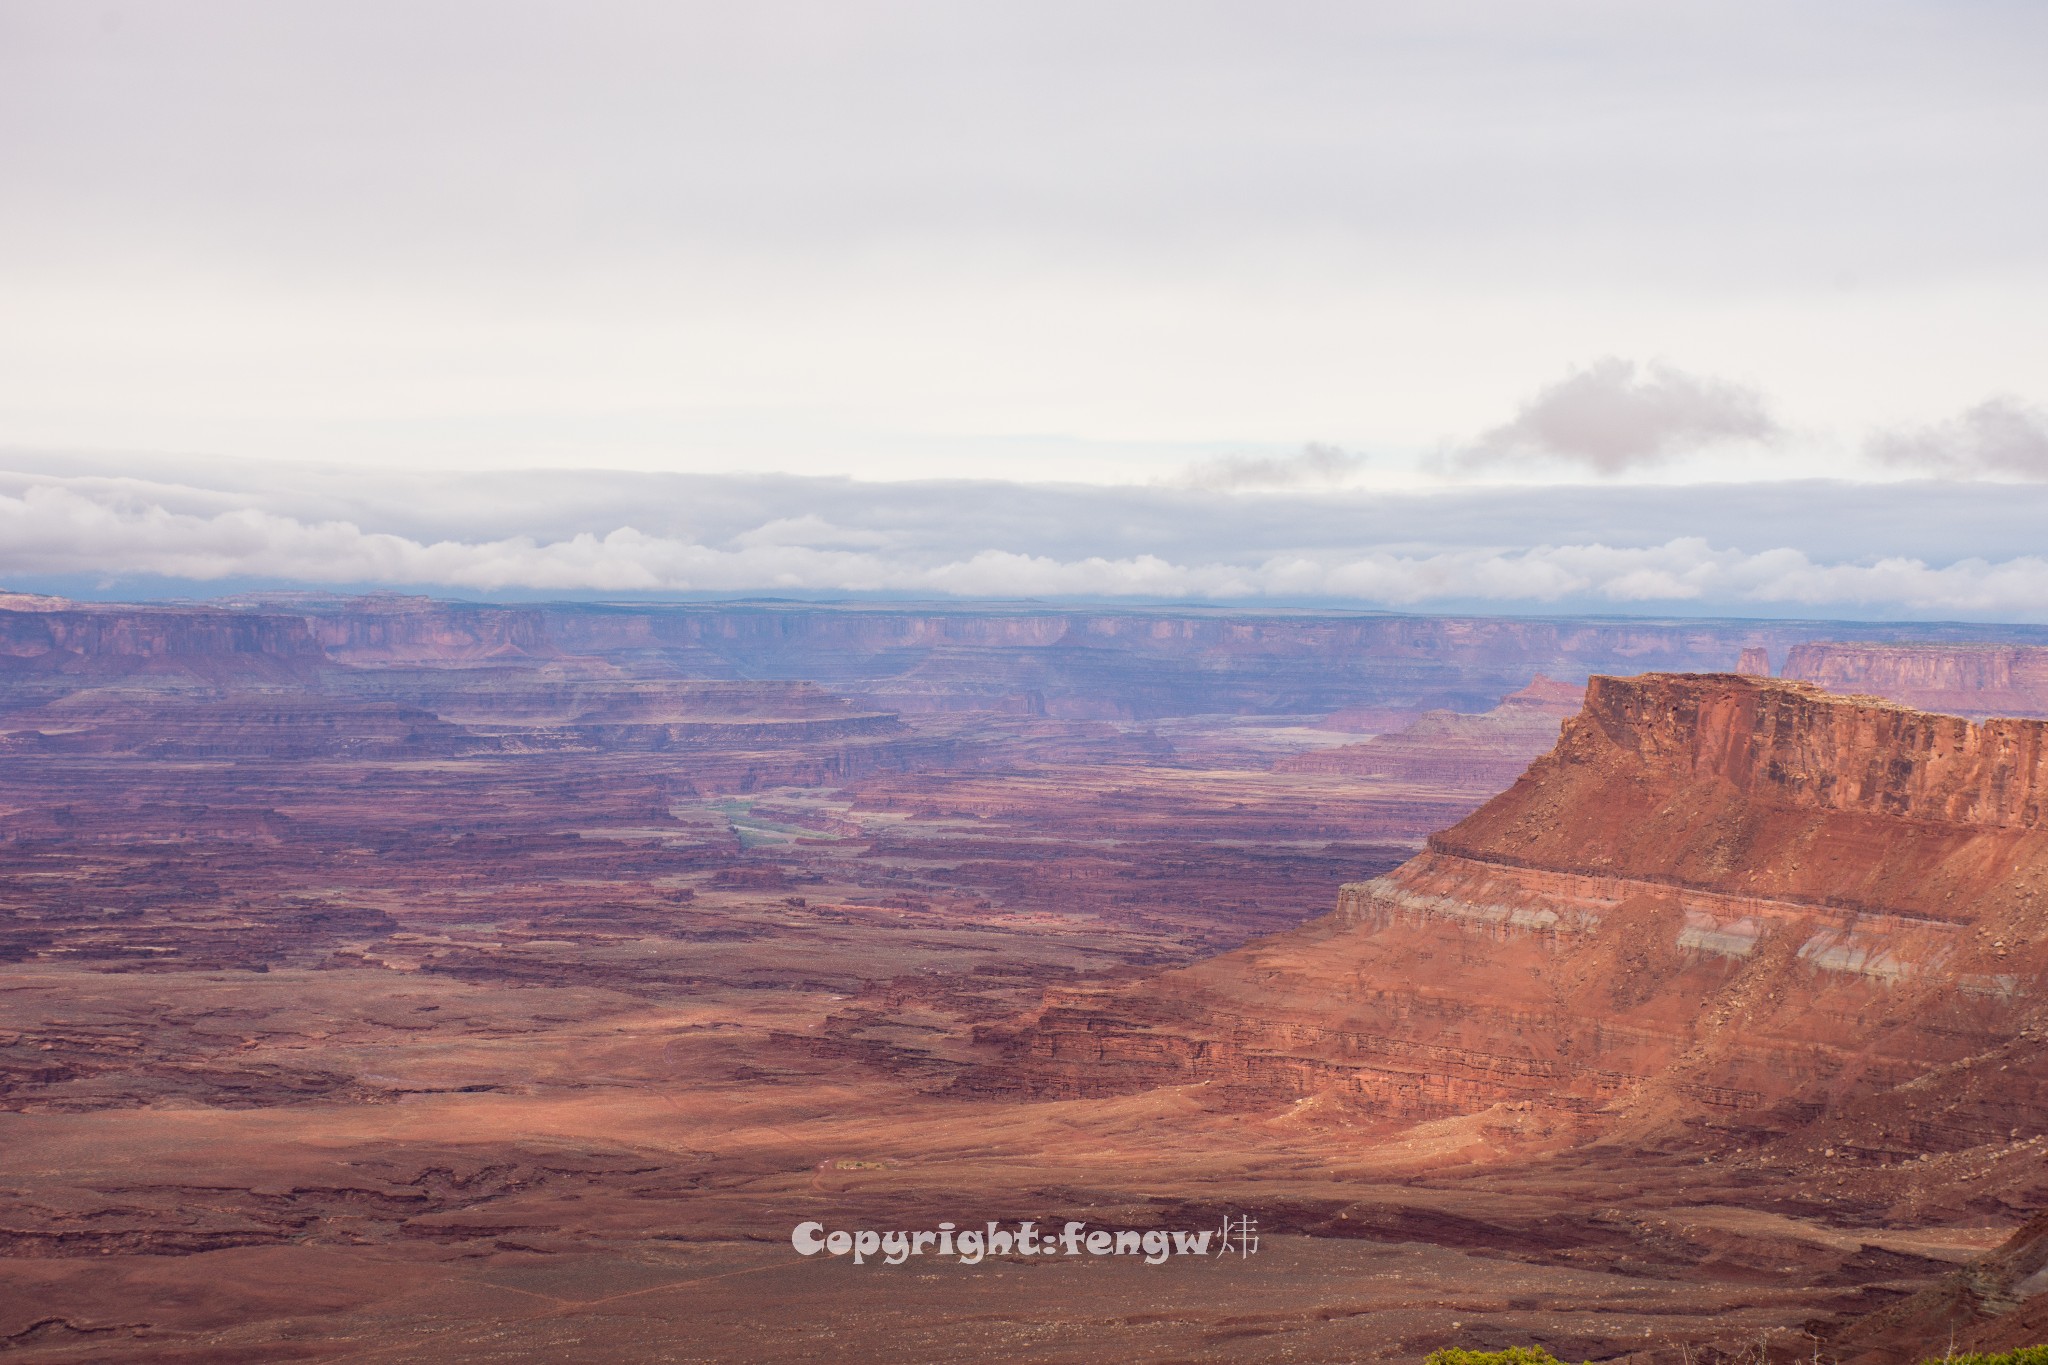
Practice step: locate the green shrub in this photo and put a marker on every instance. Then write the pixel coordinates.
(2025, 1355)
(1524, 1355)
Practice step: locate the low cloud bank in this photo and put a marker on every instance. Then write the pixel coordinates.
(101, 529)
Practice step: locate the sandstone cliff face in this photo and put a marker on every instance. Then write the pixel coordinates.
(419, 631)
(1105, 664)
(40, 647)
(1778, 760)
(1717, 895)
(1965, 679)
(1021, 661)
(1140, 664)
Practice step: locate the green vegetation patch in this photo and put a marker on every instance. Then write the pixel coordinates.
(2025, 1355)
(1513, 1355)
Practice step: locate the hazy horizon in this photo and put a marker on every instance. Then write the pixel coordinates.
(1709, 309)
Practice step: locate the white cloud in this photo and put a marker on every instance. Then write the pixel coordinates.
(1613, 416)
(810, 530)
(1998, 437)
(105, 528)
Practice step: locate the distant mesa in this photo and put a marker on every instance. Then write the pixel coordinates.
(1442, 747)
(1357, 672)
(29, 601)
(1546, 694)
(1960, 679)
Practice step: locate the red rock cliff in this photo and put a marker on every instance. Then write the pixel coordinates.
(1716, 895)
(1968, 679)
(180, 642)
(1730, 781)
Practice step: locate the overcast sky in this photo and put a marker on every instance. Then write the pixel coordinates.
(1208, 259)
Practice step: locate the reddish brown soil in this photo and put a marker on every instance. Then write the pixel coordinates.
(395, 982)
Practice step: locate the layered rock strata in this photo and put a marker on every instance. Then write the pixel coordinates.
(1717, 896)
(1024, 660)
(1967, 679)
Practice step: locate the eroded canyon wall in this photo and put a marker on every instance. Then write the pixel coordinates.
(1964, 679)
(1110, 663)
(1717, 897)
(1023, 660)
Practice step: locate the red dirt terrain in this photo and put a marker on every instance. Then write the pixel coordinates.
(393, 980)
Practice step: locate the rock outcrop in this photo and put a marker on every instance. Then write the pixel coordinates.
(1963, 679)
(1718, 896)
(1999, 1303)
(45, 651)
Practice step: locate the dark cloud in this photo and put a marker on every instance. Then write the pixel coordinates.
(2001, 437)
(1613, 416)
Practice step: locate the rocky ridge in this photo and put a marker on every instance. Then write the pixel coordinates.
(1968, 679)
(1719, 899)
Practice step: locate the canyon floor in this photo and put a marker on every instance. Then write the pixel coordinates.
(355, 1020)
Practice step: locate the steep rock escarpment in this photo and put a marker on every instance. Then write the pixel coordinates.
(1964, 679)
(1023, 660)
(1109, 664)
(1717, 896)
(45, 651)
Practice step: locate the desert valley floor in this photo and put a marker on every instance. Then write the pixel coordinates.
(392, 980)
